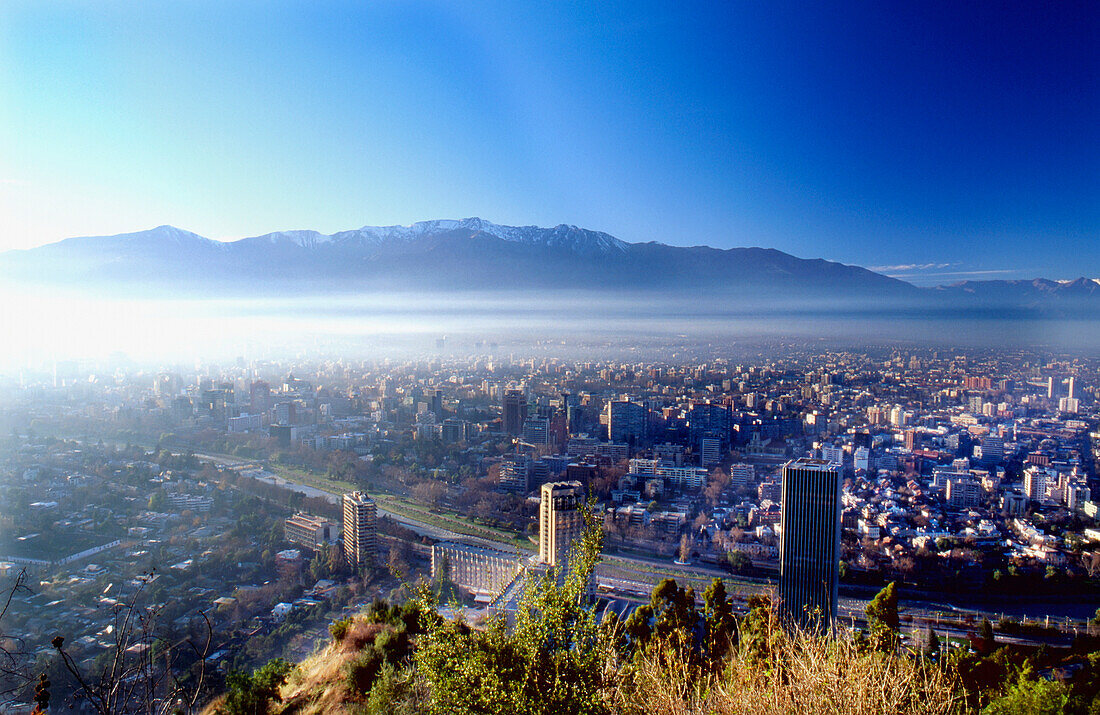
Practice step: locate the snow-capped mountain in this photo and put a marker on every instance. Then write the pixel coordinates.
(572, 238)
(473, 254)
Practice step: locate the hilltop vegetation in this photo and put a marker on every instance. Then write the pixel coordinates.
(670, 656)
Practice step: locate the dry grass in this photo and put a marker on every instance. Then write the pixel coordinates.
(794, 674)
(800, 675)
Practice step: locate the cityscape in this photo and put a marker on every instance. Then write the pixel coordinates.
(440, 357)
(269, 498)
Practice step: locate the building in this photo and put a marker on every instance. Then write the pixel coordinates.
(710, 451)
(289, 565)
(832, 453)
(454, 430)
(742, 475)
(515, 473)
(515, 412)
(560, 521)
(809, 546)
(536, 430)
(1069, 405)
(963, 492)
(308, 531)
(478, 570)
(1036, 482)
(626, 422)
(360, 529)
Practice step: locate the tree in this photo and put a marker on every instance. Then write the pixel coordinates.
(719, 620)
(883, 620)
(931, 643)
(552, 661)
(142, 670)
(253, 694)
(1036, 697)
(985, 632)
(685, 549)
(739, 562)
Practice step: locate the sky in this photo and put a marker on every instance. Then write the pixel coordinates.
(936, 141)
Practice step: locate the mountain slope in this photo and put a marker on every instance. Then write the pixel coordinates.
(470, 255)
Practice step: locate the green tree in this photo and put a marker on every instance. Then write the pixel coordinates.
(931, 643)
(552, 661)
(883, 620)
(739, 561)
(985, 632)
(719, 620)
(254, 694)
(1035, 697)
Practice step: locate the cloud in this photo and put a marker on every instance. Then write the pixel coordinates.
(912, 267)
(996, 272)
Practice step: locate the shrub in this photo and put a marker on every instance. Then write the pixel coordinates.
(361, 671)
(339, 629)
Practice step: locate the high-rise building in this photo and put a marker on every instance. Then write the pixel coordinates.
(515, 411)
(259, 397)
(536, 430)
(560, 521)
(515, 473)
(993, 450)
(809, 547)
(710, 451)
(626, 422)
(454, 430)
(360, 529)
(963, 492)
(741, 475)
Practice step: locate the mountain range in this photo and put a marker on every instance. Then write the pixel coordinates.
(474, 255)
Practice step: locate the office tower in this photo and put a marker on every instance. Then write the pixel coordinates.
(1071, 392)
(560, 521)
(515, 411)
(993, 450)
(1050, 388)
(809, 547)
(285, 413)
(259, 397)
(626, 422)
(454, 430)
(360, 529)
(437, 404)
(710, 451)
(536, 430)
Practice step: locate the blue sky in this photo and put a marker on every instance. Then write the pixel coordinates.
(942, 140)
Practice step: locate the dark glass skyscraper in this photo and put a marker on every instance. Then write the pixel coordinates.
(809, 547)
(514, 412)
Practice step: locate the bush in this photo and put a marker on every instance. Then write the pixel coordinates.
(253, 694)
(339, 629)
(360, 673)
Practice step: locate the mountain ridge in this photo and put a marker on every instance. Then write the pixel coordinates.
(479, 255)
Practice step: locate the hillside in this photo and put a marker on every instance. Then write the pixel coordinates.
(556, 654)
